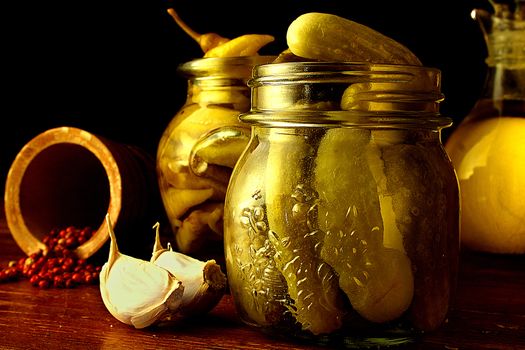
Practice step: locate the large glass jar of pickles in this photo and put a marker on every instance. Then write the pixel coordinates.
(200, 146)
(342, 216)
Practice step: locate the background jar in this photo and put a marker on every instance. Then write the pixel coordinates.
(200, 146)
(488, 147)
(342, 216)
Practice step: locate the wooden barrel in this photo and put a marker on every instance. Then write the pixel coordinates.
(70, 177)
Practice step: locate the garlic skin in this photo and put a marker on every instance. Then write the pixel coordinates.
(204, 282)
(135, 291)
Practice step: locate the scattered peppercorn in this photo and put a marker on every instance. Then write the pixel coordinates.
(57, 266)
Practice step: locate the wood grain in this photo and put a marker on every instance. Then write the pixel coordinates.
(489, 313)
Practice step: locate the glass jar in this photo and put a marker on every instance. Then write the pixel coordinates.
(342, 216)
(488, 146)
(200, 146)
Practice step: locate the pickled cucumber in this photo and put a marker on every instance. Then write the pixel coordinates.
(389, 287)
(423, 215)
(377, 280)
(323, 36)
(312, 284)
(392, 236)
(389, 89)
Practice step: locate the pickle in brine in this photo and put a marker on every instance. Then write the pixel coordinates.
(423, 215)
(312, 284)
(377, 280)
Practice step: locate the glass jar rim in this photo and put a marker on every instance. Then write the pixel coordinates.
(222, 66)
(329, 70)
(360, 94)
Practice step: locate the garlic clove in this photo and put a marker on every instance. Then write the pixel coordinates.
(137, 292)
(204, 282)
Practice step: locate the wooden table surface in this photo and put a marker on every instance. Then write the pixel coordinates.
(489, 314)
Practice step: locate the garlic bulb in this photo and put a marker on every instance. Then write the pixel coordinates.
(204, 282)
(137, 292)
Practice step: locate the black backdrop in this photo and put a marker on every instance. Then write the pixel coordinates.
(109, 67)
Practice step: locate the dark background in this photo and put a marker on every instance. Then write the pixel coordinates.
(109, 67)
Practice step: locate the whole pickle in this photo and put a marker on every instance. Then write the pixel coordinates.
(312, 284)
(423, 205)
(377, 279)
(327, 37)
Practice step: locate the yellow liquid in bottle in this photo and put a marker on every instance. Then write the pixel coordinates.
(489, 157)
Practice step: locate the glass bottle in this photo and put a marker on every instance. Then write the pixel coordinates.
(342, 216)
(200, 146)
(488, 146)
